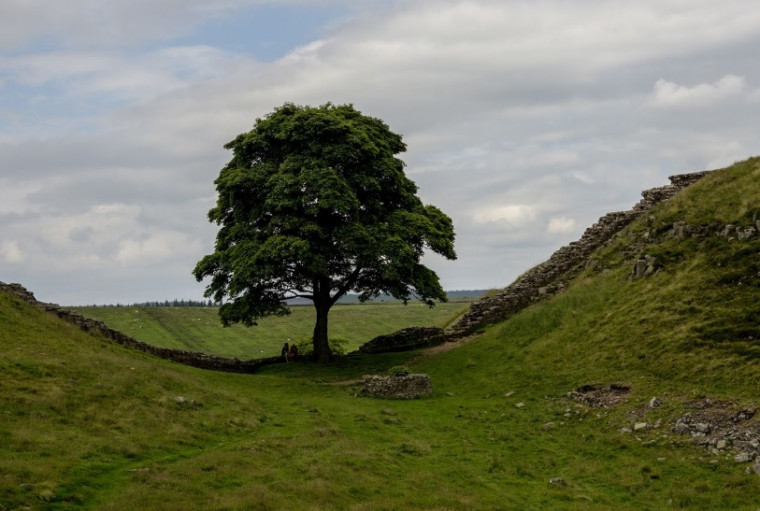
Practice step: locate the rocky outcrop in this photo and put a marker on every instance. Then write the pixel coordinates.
(403, 340)
(409, 386)
(721, 426)
(645, 265)
(201, 360)
(551, 276)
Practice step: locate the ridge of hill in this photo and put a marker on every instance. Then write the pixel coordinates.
(553, 275)
(190, 358)
(633, 388)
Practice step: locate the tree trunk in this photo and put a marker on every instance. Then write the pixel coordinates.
(322, 352)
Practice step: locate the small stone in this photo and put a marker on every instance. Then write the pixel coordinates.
(557, 480)
(743, 457)
(661, 459)
(180, 400)
(681, 428)
(745, 233)
(701, 427)
(549, 426)
(721, 444)
(753, 469)
(655, 403)
(639, 426)
(510, 393)
(520, 404)
(639, 268)
(626, 430)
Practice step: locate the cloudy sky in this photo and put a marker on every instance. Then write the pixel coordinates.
(525, 120)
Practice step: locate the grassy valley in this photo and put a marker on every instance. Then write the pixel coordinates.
(87, 424)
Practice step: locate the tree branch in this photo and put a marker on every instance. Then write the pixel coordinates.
(298, 293)
(347, 285)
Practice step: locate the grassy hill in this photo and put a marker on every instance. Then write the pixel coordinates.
(90, 425)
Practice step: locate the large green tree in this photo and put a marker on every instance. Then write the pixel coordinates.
(313, 204)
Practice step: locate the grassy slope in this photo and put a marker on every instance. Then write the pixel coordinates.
(199, 329)
(90, 425)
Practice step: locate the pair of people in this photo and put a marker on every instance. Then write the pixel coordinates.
(289, 352)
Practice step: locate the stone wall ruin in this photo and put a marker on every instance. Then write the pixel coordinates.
(403, 340)
(409, 386)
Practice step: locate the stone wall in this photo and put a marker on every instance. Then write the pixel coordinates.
(410, 386)
(403, 340)
(550, 277)
(190, 358)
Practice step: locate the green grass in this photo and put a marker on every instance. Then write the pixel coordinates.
(87, 424)
(199, 328)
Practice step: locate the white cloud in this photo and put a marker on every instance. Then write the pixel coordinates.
(120, 75)
(14, 195)
(155, 248)
(102, 22)
(583, 177)
(671, 95)
(10, 252)
(514, 215)
(561, 225)
(84, 239)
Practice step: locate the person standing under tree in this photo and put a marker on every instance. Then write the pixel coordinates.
(285, 352)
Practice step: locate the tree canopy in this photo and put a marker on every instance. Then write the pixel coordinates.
(314, 203)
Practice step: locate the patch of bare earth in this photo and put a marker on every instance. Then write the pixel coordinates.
(352, 381)
(447, 346)
(601, 396)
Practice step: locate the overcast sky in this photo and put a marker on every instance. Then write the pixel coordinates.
(525, 120)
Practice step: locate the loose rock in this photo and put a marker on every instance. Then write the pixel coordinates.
(743, 457)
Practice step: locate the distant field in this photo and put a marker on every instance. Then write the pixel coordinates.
(199, 329)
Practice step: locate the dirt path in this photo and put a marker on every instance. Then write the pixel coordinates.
(447, 346)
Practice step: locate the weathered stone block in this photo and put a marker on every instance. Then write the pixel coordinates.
(410, 386)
